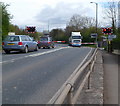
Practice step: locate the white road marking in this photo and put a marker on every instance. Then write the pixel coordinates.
(38, 54)
(33, 55)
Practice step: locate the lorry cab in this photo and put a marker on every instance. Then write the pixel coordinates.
(75, 39)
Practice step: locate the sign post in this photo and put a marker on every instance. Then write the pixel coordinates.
(94, 35)
(110, 38)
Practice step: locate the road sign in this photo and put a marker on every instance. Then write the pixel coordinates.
(104, 38)
(110, 39)
(93, 35)
(112, 36)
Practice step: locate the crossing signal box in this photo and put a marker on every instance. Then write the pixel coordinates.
(107, 30)
(30, 29)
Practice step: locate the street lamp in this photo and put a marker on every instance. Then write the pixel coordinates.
(96, 20)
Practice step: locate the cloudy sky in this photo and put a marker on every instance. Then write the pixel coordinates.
(55, 13)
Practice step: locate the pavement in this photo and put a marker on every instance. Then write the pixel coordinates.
(104, 81)
(117, 52)
(94, 95)
(110, 64)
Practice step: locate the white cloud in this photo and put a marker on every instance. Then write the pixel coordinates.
(62, 12)
(57, 12)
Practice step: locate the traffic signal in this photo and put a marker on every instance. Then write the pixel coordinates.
(30, 29)
(107, 30)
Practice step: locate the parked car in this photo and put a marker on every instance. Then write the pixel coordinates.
(19, 43)
(45, 42)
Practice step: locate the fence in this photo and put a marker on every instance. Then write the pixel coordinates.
(69, 92)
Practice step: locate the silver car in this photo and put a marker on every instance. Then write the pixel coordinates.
(45, 42)
(19, 43)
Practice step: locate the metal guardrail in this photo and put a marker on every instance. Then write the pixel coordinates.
(67, 94)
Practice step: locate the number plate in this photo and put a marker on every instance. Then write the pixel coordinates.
(10, 44)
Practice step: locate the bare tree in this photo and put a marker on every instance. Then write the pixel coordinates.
(111, 13)
(80, 22)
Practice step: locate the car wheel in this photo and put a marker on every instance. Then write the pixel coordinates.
(7, 51)
(26, 49)
(36, 49)
(52, 46)
(48, 47)
(39, 47)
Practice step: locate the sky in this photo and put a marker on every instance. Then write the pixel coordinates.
(49, 14)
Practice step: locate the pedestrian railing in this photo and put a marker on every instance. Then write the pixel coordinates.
(71, 89)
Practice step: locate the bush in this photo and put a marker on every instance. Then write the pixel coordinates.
(116, 42)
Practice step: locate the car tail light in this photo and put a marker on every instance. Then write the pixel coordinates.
(20, 43)
(3, 43)
(49, 42)
(38, 42)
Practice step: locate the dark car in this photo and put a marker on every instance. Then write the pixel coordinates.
(46, 42)
(19, 43)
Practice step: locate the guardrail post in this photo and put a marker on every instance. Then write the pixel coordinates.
(91, 65)
(89, 82)
(70, 96)
(89, 76)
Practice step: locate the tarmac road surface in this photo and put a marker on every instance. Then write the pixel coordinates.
(33, 78)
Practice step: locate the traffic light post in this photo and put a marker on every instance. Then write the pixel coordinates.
(108, 31)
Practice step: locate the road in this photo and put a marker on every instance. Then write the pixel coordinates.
(33, 78)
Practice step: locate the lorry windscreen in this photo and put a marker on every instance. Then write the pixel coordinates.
(76, 37)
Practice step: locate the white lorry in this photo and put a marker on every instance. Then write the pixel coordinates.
(75, 39)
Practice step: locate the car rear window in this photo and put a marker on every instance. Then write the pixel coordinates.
(44, 39)
(12, 38)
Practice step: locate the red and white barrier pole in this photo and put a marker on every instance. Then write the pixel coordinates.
(59, 41)
(89, 43)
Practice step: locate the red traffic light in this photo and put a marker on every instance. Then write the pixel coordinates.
(30, 29)
(107, 30)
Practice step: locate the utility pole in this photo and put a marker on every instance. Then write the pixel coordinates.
(96, 22)
(119, 16)
(48, 26)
